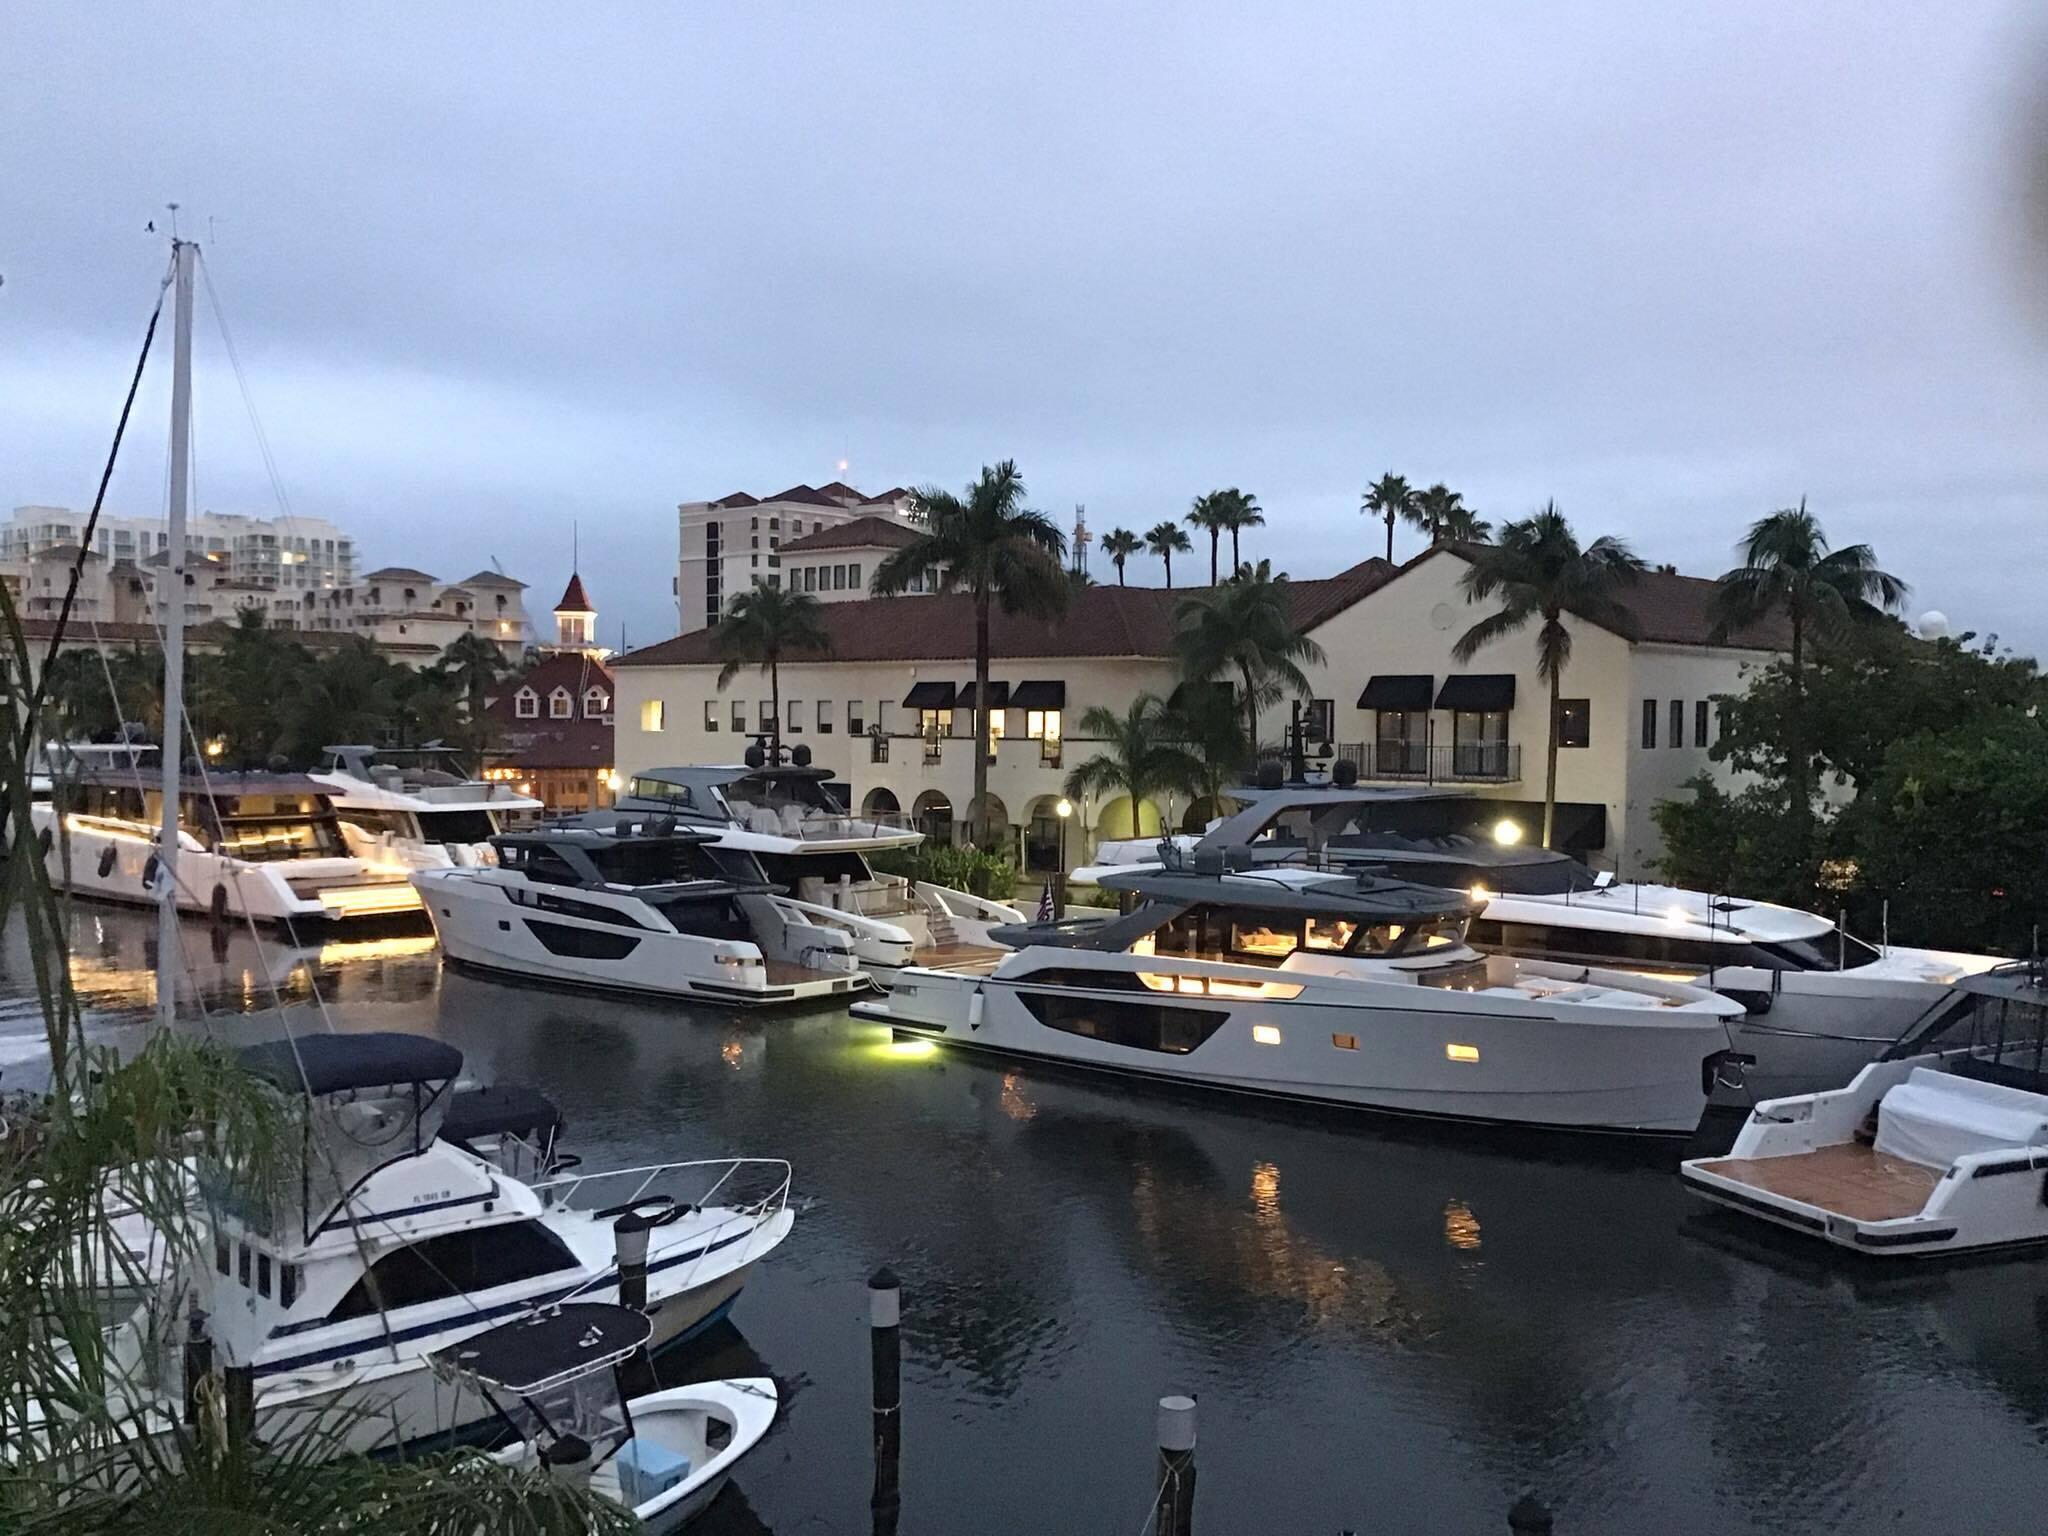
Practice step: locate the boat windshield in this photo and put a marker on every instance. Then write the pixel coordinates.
(1996, 1030)
(457, 826)
(799, 806)
(1249, 935)
(1825, 952)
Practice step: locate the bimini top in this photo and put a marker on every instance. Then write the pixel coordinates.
(545, 1349)
(1507, 869)
(336, 1063)
(508, 1109)
(1364, 898)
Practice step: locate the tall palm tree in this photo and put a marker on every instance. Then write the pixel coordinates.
(1205, 723)
(988, 543)
(1167, 540)
(1141, 756)
(1211, 514)
(1120, 544)
(1464, 526)
(1787, 567)
(1244, 630)
(1241, 511)
(1388, 497)
(760, 627)
(351, 696)
(1538, 572)
(1441, 513)
(243, 692)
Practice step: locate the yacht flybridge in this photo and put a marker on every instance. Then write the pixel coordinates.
(641, 907)
(1817, 1002)
(807, 843)
(264, 846)
(1341, 989)
(412, 809)
(388, 1242)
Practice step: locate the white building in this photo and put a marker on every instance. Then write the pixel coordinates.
(725, 546)
(285, 554)
(886, 711)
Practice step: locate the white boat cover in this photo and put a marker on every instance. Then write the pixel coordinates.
(1933, 1118)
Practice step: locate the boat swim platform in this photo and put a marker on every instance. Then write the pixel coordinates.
(1851, 1179)
(958, 957)
(787, 973)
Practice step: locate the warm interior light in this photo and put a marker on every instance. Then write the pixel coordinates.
(1458, 1052)
(1506, 832)
(1266, 1034)
(1479, 893)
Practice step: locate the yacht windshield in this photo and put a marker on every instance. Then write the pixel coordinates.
(261, 828)
(1254, 936)
(456, 826)
(1827, 952)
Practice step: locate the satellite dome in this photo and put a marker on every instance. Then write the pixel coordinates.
(1933, 625)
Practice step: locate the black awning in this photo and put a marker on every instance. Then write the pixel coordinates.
(929, 696)
(998, 695)
(332, 1063)
(1397, 690)
(574, 1339)
(507, 1109)
(1039, 696)
(1477, 690)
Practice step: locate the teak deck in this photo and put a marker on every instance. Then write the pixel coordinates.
(957, 957)
(1850, 1180)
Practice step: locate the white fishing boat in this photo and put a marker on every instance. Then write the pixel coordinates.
(388, 1242)
(554, 1378)
(807, 843)
(413, 810)
(640, 908)
(1343, 990)
(1940, 1147)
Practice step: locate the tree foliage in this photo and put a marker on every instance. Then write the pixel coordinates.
(1243, 632)
(759, 628)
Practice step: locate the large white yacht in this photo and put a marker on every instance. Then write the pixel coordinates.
(808, 844)
(412, 809)
(641, 907)
(1817, 1002)
(264, 846)
(1341, 989)
(389, 1242)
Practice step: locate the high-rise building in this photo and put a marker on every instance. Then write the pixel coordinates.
(725, 546)
(284, 554)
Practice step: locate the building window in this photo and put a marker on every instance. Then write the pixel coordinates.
(1699, 722)
(711, 715)
(526, 704)
(739, 715)
(774, 582)
(853, 577)
(810, 578)
(1042, 725)
(1401, 743)
(934, 722)
(1678, 722)
(882, 716)
(838, 578)
(824, 717)
(765, 715)
(856, 719)
(1649, 722)
(560, 705)
(796, 717)
(595, 702)
(1319, 721)
(651, 714)
(1574, 722)
(775, 525)
(1479, 743)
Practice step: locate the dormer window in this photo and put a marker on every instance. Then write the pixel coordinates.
(526, 704)
(595, 702)
(560, 705)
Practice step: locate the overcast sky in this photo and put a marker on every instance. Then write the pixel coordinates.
(491, 269)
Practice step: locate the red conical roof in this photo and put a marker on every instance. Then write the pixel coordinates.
(574, 598)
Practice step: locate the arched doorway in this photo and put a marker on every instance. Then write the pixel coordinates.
(1116, 820)
(881, 805)
(1201, 812)
(1042, 836)
(932, 814)
(997, 819)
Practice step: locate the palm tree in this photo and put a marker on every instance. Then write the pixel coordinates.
(1441, 513)
(1787, 567)
(1141, 756)
(470, 669)
(1244, 630)
(1004, 555)
(1388, 497)
(351, 696)
(759, 627)
(1464, 526)
(242, 693)
(1120, 544)
(1240, 511)
(1204, 721)
(1538, 571)
(1211, 514)
(1166, 540)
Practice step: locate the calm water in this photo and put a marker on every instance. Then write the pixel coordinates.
(1386, 1332)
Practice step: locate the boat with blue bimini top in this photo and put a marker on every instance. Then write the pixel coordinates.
(643, 907)
(554, 1378)
(384, 1241)
(1341, 989)
(1938, 1147)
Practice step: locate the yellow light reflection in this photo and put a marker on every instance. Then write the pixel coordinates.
(732, 1053)
(1014, 1102)
(1461, 1227)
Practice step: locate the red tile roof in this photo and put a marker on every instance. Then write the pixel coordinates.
(839, 490)
(574, 599)
(807, 495)
(860, 533)
(565, 669)
(737, 499)
(581, 741)
(895, 493)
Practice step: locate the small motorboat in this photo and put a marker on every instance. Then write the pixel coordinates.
(554, 1377)
(1938, 1147)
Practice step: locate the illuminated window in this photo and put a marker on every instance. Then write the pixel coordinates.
(1456, 1052)
(596, 702)
(651, 713)
(560, 705)
(711, 714)
(1345, 1042)
(1266, 1034)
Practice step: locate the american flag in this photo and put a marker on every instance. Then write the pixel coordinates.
(1045, 903)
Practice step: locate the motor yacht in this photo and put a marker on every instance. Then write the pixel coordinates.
(1938, 1147)
(412, 809)
(642, 907)
(808, 844)
(263, 846)
(1818, 1003)
(1340, 989)
(387, 1242)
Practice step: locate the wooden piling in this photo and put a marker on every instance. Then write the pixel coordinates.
(239, 1387)
(198, 1362)
(1176, 1507)
(885, 1348)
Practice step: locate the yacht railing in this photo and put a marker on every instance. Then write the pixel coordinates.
(563, 1192)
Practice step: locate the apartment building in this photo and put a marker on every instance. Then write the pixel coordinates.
(891, 712)
(725, 546)
(271, 553)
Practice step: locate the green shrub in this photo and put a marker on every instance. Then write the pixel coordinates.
(992, 875)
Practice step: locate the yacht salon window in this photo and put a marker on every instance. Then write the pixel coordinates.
(1267, 938)
(526, 704)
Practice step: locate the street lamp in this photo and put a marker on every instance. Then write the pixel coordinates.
(1064, 810)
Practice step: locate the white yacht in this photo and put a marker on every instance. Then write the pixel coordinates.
(1939, 1147)
(643, 907)
(1344, 990)
(391, 1242)
(1817, 1002)
(808, 844)
(410, 809)
(264, 846)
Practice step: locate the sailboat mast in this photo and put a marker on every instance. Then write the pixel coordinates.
(183, 255)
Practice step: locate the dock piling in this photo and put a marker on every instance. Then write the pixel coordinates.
(1176, 1504)
(885, 1346)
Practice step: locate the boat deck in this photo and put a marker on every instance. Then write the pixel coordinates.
(957, 957)
(1851, 1179)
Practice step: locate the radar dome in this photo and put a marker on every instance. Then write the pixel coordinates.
(1933, 625)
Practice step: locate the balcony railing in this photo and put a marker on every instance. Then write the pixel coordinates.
(1472, 762)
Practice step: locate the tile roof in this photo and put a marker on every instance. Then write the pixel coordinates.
(565, 669)
(860, 533)
(1099, 621)
(578, 743)
(839, 490)
(806, 495)
(574, 599)
(492, 579)
(894, 494)
(737, 499)
(397, 573)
